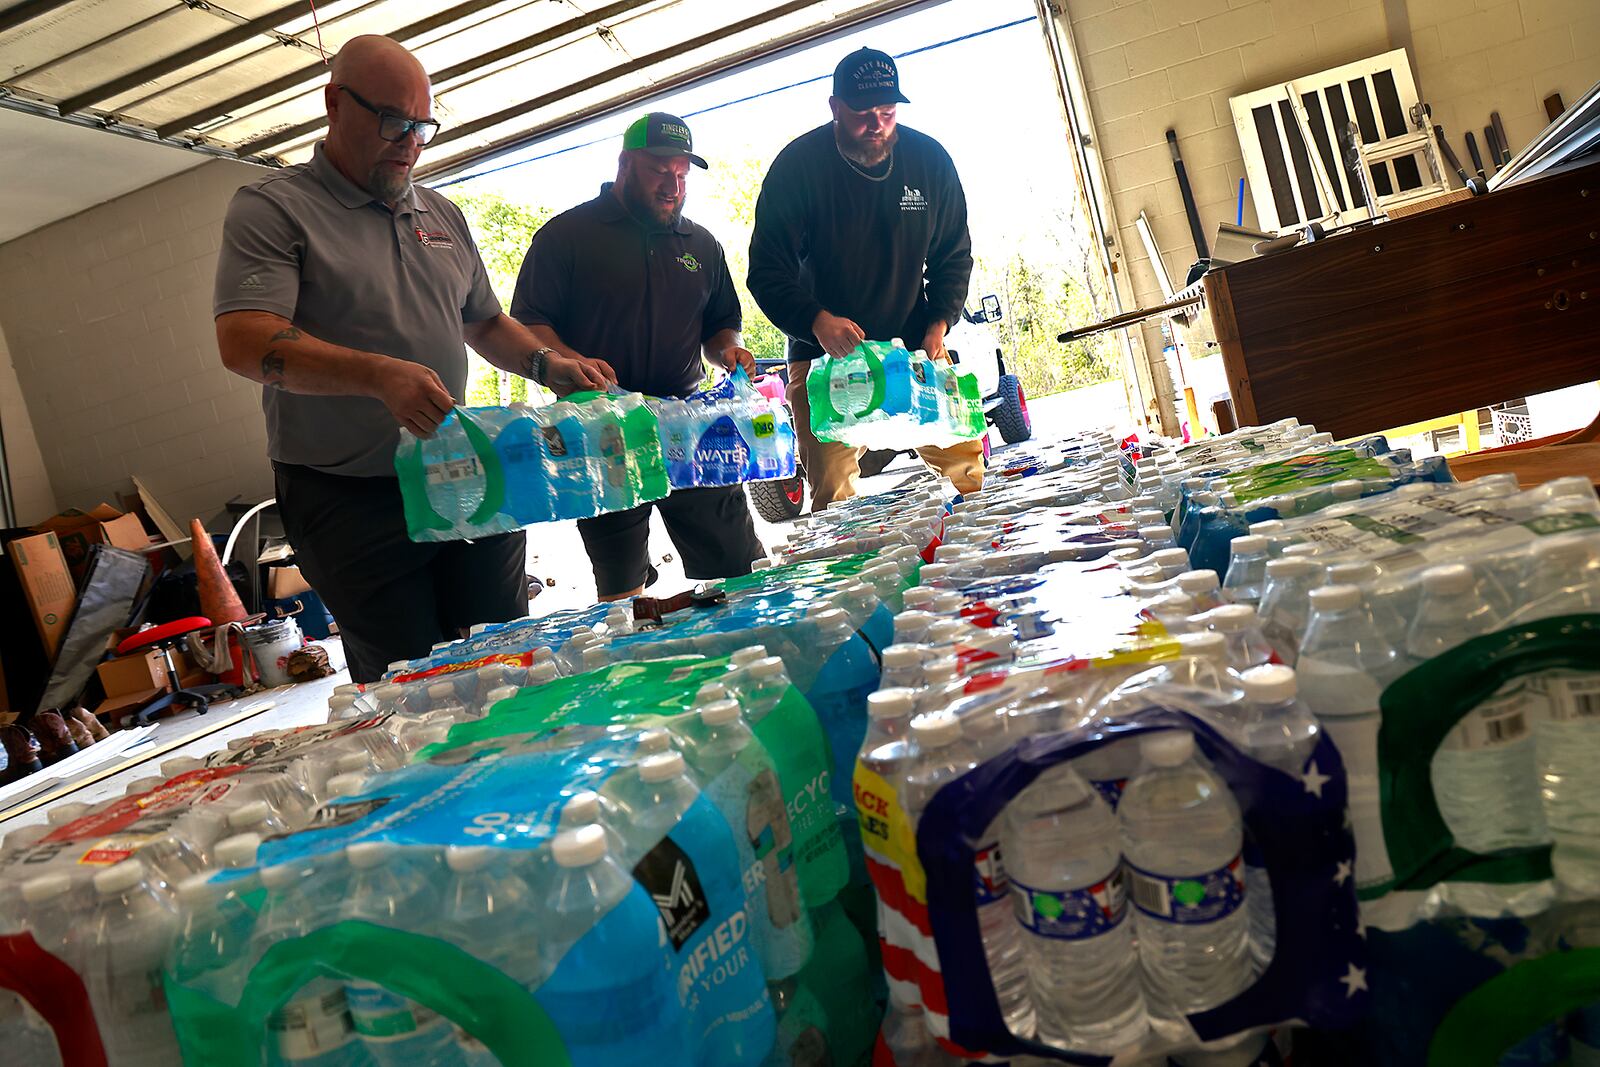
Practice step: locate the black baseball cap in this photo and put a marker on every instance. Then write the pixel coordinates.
(662, 134)
(867, 78)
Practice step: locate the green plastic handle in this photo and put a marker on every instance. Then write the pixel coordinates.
(420, 515)
(582, 397)
(1420, 709)
(494, 479)
(470, 993)
(1488, 1021)
(879, 386)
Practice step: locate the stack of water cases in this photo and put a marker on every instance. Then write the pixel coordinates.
(497, 469)
(882, 396)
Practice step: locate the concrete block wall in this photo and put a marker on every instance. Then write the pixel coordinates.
(108, 317)
(1151, 65)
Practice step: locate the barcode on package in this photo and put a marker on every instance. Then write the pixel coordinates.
(455, 470)
(1149, 894)
(1497, 721)
(1574, 698)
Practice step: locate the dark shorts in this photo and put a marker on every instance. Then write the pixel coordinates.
(711, 529)
(393, 598)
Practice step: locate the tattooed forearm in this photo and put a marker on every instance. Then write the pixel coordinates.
(272, 365)
(288, 333)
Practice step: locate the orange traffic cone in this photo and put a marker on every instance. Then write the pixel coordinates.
(217, 599)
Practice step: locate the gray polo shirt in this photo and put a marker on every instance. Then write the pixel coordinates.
(308, 244)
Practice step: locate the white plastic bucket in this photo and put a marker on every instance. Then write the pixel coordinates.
(271, 644)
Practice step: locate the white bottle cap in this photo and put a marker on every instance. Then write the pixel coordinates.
(119, 879)
(918, 596)
(442, 690)
(932, 572)
(1155, 533)
(594, 658)
(498, 694)
(949, 553)
(760, 563)
(1197, 582)
(901, 657)
(542, 673)
(1335, 598)
(281, 876)
(939, 671)
(1348, 489)
(719, 712)
(1204, 645)
(1291, 567)
(238, 850)
(347, 784)
(936, 730)
(829, 618)
(367, 854)
(1168, 748)
(710, 693)
(895, 702)
(1231, 618)
(61, 814)
(1451, 579)
(336, 702)
(769, 669)
(144, 785)
(579, 848)
(1270, 683)
(1268, 526)
(352, 761)
(948, 603)
(388, 691)
(182, 765)
(1303, 550)
(463, 858)
(655, 740)
(397, 665)
(1355, 572)
(662, 767)
(747, 655)
(1170, 557)
(1249, 544)
(583, 639)
(199, 888)
(41, 889)
(1178, 604)
(1564, 551)
(581, 809)
(946, 631)
(248, 815)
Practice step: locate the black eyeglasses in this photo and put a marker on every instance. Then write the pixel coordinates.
(393, 127)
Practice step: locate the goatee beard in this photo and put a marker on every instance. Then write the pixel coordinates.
(386, 185)
(867, 155)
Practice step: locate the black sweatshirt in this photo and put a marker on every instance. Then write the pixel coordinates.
(893, 255)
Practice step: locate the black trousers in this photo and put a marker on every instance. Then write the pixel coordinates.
(393, 598)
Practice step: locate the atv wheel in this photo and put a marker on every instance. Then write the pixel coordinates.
(1011, 417)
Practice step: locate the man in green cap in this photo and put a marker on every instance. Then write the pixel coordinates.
(627, 279)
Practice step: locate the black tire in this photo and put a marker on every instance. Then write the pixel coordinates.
(781, 500)
(1011, 418)
(875, 461)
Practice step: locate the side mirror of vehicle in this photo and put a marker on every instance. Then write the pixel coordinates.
(991, 309)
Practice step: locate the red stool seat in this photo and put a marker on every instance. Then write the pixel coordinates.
(167, 631)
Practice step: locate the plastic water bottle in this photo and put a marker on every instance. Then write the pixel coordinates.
(1247, 569)
(1567, 737)
(25, 1036)
(1240, 627)
(1064, 858)
(1280, 732)
(678, 442)
(645, 457)
(575, 470)
(213, 945)
(492, 914)
(1110, 768)
(127, 942)
(1285, 608)
(897, 390)
(455, 478)
(1344, 666)
(1485, 775)
(1183, 839)
(604, 427)
(313, 1028)
(1204, 586)
(390, 888)
(766, 445)
(942, 756)
(520, 450)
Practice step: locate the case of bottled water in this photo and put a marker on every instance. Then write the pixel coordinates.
(882, 396)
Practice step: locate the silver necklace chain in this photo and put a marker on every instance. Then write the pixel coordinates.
(857, 167)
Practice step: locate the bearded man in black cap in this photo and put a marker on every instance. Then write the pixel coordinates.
(628, 275)
(861, 233)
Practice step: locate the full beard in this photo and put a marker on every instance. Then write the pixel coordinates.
(865, 153)
(647, 209)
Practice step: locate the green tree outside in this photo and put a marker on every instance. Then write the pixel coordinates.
(503, 229)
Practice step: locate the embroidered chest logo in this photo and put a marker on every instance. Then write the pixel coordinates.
(913, 200)
(690, 264)
(434, 238)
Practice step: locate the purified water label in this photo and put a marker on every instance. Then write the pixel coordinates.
(455, 470)
(669, 876)
(1192, 898)
(1072, 914)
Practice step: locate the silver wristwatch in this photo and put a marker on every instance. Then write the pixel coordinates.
(536, 360)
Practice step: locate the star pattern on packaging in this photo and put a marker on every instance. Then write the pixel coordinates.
(1343, 872)
(1314, 780)
(1355, 981)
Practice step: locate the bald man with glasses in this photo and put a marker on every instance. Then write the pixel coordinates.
(350, 294)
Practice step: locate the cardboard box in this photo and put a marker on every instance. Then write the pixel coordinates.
(47, 585)
(103, 525)
(113, 708)
(131, 674)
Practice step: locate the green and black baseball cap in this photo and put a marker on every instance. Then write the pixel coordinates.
(662, 134)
